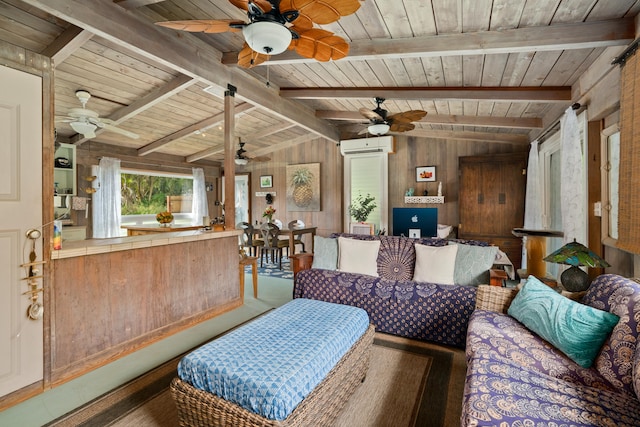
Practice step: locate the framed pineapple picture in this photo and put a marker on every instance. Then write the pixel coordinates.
(303, 187)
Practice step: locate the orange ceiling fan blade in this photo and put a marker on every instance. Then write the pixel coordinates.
(321, 11)
(408, 116)
(248, 58)
(371, 115)
(244, 4)
(401, 127)
(204, 25)
(321, 45)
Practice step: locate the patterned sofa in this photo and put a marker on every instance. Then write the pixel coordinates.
(515, 378)
(395, 303)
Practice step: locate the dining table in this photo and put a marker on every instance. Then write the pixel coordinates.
(297, 231)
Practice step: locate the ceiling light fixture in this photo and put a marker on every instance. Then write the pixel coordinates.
(241, 162)
(84, 128)
(378, 128)
(269, 38)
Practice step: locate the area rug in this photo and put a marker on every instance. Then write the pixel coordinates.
(409, 383)
(273, 270)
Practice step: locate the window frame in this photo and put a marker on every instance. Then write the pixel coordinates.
(605, 168)
(183, 218)
(383, 204)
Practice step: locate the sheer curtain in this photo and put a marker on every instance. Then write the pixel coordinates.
(200, 206)
(572, 180)
(107, 200)
(533, 201)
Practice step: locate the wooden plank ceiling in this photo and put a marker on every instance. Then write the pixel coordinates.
(491, 70)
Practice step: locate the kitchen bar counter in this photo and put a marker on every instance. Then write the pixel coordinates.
(99, 246)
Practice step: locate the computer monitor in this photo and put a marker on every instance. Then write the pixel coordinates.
(415, 222)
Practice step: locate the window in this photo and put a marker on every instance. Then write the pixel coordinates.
(550, 167)
(551, 215)
(610, 180)
(145, 193)
(367, 173)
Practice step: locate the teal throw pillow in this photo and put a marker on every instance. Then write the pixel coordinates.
(325, 253)
(473, 264)
(573, 328)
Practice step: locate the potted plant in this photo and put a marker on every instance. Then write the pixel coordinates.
(361, 207)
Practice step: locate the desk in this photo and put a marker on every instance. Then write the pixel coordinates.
(134, 230)
(297, 232)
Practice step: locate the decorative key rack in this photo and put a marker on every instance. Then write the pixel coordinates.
(33, 277)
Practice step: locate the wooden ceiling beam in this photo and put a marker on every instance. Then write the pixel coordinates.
(133, 4)
(496, 94)
(189, 130)
(583, 35)
(471, 136)
(443, 119)
(217, 150)
(154, 97)
(185, 53)
(67, 43)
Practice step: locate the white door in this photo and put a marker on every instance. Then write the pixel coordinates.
(21, 347)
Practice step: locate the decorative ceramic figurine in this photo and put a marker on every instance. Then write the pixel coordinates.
(410, 192)
(440, 189)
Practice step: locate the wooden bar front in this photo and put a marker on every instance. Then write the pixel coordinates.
(109, 304)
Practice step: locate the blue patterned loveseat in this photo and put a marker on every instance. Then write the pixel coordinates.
(397, 304)
(515, 378)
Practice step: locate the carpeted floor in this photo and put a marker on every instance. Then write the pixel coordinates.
(409, 383)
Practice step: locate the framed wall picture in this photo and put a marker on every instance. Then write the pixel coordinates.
(303, 187)
(425, 173)
(266, 181)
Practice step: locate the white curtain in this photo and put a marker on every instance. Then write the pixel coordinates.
(572, 180)
(200, 207)
(107, 200)
(533, 202)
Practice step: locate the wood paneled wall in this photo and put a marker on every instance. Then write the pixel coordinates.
(411, 152)
(104, 306)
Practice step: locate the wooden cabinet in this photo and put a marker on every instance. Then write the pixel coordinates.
(492, 194)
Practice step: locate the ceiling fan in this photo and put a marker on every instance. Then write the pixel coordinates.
(380, 123)
(277, 25)
(85, 121)
(243, 159)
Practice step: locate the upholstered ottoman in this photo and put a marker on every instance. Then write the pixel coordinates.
(294, 366)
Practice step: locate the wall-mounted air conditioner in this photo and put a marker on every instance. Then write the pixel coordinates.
(379, 144)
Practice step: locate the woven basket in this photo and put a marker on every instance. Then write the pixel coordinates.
(320, 408)
(494, 298)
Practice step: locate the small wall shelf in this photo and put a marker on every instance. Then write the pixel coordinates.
(424, 199)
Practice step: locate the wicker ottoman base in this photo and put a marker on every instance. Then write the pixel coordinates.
(320, 408)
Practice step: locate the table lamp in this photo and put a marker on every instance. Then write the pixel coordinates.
(576, 254)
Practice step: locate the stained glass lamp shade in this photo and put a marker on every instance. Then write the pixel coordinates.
(576, 254)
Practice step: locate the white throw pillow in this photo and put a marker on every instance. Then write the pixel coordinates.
(358, 256)
(435, 264)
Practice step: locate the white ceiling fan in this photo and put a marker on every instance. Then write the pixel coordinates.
(85, 121)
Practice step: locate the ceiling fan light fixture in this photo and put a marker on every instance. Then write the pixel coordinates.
(240, 161)
(84, 128)
(269, 38)
(378, 128)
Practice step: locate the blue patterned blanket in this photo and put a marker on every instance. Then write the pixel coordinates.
(269, 365)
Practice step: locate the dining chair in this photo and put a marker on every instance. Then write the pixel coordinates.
(248, 239)
(273, 245)
(296, 223)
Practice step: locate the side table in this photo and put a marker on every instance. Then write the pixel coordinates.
(253, 262)
(301, 261)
